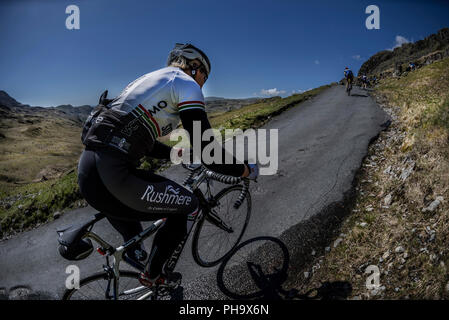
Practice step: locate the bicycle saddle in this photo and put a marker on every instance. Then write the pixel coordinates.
(74, 233)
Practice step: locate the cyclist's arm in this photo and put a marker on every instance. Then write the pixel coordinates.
(191, 108)
(187, 119)
(160, 151)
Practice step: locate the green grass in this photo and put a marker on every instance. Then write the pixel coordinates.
(36, 202)
(420, 100)
(255, 115)
(56, 195)
(424, 94)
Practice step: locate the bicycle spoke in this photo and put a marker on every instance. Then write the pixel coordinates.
(214, 242)
(94, 287)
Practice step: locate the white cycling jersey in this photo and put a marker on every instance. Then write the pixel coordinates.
(158, 97)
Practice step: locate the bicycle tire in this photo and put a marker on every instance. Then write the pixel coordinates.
(103, 276)
(197, 245)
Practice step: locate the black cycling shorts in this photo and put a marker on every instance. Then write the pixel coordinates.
(110, 184)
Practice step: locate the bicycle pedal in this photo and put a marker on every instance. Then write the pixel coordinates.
(171, 285)
(162, 292)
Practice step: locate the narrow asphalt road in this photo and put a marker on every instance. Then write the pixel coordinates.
(321, 145)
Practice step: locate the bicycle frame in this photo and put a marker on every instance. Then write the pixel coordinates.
(207, 202)
(117, 253)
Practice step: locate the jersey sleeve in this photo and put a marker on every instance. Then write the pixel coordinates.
(188, 95)
(190, 101)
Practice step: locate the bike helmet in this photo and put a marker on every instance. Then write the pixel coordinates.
(189, 52)
(76, 251)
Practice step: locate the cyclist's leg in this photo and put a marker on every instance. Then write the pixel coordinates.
(141, 190)
(128, 229)
(145, 196)
(169, 236)
(122, 218)
(166, 240)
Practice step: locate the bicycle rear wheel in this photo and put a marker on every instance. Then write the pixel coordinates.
(211, 242)
(95, 287)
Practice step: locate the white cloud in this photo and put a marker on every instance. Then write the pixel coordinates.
(399, 41)
(317, 62)
(272, 92)
(301, 90)
(357, 57)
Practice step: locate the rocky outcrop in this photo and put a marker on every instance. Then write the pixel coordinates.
(387, 63)
(7, 101)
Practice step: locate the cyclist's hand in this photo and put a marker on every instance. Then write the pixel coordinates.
(251, 171)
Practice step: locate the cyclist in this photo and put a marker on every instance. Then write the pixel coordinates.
(364, 81)
(349, 76)
(121, 131)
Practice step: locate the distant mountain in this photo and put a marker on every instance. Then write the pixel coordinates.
(38, 143)
(11, 108)
(219, 104)
(422, 52)
(7, 101)
(213, 98)
(46, 141)
(80, 113)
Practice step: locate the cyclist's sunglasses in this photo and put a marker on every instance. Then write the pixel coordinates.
(204, 72)
(202, 69)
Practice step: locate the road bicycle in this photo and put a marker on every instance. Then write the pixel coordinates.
(220, 225)
(348, 87)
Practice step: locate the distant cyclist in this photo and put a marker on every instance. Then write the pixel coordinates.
(364, 81)
(120, 132)
(349, 76)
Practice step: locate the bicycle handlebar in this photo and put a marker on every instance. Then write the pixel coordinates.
(220, 178)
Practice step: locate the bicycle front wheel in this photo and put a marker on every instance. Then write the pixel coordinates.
(99, 286)
(212, 242)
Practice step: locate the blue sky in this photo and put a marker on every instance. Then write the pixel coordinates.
(256, 48)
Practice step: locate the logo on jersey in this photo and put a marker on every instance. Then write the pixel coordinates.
(132, 126)
(160, 105)
(169, 196)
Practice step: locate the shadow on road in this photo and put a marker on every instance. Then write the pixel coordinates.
(260, 274)
(256, 270)
(358, 95)
(23, 293)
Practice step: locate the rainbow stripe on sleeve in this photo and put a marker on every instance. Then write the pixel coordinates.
(188, 105)
(148, 121)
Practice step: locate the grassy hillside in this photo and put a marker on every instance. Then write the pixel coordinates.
(42, 143)
(24, 206)
(399, 221)
(257, 114)
(422, 52)
(37, 148)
